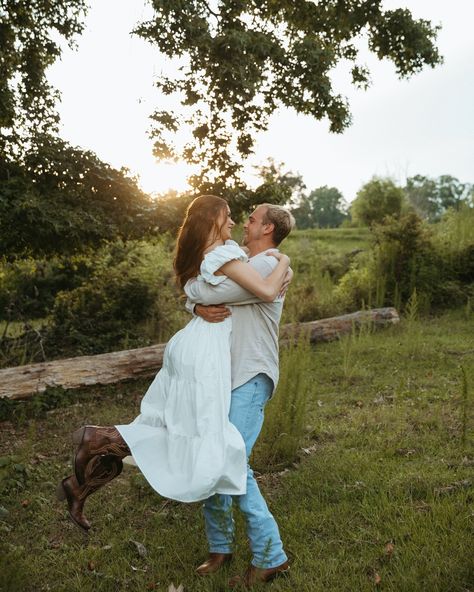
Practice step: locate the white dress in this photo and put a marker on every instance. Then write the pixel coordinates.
(183, 441)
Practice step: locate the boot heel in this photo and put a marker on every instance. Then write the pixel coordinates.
(78, 435)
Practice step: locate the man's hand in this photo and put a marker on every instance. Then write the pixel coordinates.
(212, 313)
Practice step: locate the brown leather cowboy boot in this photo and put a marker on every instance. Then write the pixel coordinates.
(99, 471)
(213, 563)
(255, 575)
(93, 441)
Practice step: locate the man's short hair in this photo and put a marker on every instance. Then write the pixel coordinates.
(281, 219)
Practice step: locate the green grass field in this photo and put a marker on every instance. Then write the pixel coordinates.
(379, 496)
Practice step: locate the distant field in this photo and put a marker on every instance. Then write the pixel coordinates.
(341, 240)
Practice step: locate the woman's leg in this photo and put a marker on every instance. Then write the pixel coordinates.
(98, 460)
(96, 441)
(99, 471)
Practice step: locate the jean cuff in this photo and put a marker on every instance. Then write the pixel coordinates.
(220, 549)
(267, 564)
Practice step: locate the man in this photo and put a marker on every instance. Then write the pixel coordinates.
(254, 355)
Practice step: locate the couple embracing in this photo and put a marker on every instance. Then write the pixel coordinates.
(202, 414)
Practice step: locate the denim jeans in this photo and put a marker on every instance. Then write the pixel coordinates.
(246, 413)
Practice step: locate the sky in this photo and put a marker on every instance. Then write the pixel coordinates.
(423, 125)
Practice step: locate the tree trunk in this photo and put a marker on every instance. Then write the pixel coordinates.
(24, 381)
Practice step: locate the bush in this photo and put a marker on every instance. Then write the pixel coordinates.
(408, 255)
(129, 301)
(28, 287)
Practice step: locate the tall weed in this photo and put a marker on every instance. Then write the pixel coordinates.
(284, 426)
(464, 406)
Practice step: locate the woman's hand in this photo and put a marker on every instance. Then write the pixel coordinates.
(278, 255)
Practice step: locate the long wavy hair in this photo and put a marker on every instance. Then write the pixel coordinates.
(200, 228)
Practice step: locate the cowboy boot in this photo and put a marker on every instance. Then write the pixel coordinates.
(254, 576)
(213, 563)
(93, 441)
(99, 471)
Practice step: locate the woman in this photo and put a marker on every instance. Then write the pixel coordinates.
(182, 440)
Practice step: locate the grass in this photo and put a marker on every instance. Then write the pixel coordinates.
(380, 496)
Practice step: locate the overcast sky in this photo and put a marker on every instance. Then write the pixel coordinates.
(424, 125)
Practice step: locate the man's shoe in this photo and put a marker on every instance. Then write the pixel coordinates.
(255, 575)
(213, 563)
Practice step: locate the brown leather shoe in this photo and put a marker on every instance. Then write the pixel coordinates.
(255, 575)
(96, 440)
(213, 563)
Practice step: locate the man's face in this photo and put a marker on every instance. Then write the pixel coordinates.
(254, 227)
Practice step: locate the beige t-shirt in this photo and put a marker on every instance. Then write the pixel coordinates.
(254, 338)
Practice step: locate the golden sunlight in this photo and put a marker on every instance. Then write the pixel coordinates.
(161, 177)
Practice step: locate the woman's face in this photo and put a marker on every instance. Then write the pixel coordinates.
(225, 224)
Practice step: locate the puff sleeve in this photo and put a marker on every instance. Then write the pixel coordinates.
(218, 257)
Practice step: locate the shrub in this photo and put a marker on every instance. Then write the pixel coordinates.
(404, 259)
(408, 255)
(28, 287)
(129, 301)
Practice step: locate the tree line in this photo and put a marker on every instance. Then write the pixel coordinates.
(428, 197)
(62, 199)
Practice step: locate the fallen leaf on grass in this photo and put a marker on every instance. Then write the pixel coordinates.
(25, 503)
(310, 449)
(422, 506)
(173, 589)
(3, 512)
(54, 543)
(464, 484)
(389, 549)
(377, 579)
(91, 565)
(405, 451)
(141, 549)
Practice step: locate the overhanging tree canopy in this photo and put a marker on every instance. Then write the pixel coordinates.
(30, 31)
(241, 60)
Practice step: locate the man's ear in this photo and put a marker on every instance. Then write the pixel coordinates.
(268, 228)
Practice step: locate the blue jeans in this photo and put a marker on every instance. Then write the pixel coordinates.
(246, 413)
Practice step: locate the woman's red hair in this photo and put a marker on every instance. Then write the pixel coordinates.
(199, 229)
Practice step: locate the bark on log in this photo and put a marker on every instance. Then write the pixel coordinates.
(22, 382)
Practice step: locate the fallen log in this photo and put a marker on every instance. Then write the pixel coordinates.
(333, 327)
(22, 382)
